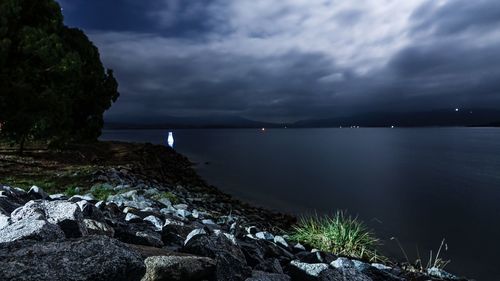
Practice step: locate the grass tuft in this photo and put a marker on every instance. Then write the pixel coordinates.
(168, 195)
(340, 234)
(102, 192)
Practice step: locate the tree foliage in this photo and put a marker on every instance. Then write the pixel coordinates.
(53, 85)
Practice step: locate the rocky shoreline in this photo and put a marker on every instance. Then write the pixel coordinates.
(154, 220)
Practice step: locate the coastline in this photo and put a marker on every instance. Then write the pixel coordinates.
(158, 189)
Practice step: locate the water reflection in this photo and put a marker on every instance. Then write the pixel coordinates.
(170, 139)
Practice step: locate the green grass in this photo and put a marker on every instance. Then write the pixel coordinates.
(434, 261)
(339, 234)
(71, 191)
(101, 192)
(168, 195)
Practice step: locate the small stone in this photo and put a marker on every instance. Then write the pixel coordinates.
(183, 213)
(280, 241)
(381, 266)
(173, 222)
(208, 222)
(132, 218)
(156, 222)
(165, 202)
(342, 263)
(299, 247)
(315, 272)
(439, 273)
(198, 231)
(37, 193)
(58, 196)
(98, 228)
(195, 214)
(263, 235)
(181, 206)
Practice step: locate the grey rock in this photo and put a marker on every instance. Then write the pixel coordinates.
(173, 222)
(314, 272)
(86, 197)
(96, 258)
(90, 211)
(208, 222)
(98, 228)
(4, 221)
(299, 247)
(266, 276)
(231, 262)
(156, 222)
(181, 206)
(179, 268)
(132, 218)
(265, 236)
(280, 241)
(342, 263)
(381, 266)
(37, 193)
(198, 231)
(39, 230)
(58, 196)
(183, 213)
(65, 214)
(165, 202)
(195, 214)
(7, 205)
(348, 270)
(439, 273)
(138, 233)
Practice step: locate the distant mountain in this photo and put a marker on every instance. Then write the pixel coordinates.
(190, 122)
(437, 118)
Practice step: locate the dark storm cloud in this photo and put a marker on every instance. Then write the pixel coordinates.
(295, 59)
(457, 16)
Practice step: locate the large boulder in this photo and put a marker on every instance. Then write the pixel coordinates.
(231, 262)
(65, 214)
(92, 258)
(39, 230)
(179, 268)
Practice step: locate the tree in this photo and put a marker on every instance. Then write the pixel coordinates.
(53, 85)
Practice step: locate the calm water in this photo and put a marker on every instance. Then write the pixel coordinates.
(420, 185)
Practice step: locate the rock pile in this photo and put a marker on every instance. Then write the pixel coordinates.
(138, 233)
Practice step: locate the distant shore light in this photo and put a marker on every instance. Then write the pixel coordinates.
(456, 109)
(263, 129)
(170, 139)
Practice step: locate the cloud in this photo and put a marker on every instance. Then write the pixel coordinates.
(288, 60)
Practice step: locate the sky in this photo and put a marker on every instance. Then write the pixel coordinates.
(283, 61)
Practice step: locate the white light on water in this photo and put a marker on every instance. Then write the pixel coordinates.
(170, 139)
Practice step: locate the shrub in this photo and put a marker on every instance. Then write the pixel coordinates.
(340, 234)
